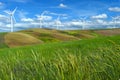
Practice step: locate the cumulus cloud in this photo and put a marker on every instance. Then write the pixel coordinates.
(100, 16)
(44, 17)
(114, 9)
(61, 5)
(57, 14)
(101, 22)
(27, 20)
(4, 18)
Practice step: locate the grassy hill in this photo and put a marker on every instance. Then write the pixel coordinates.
(20, 39)
(109, 32)
(49, 35)
(39, 36)
(90, 59)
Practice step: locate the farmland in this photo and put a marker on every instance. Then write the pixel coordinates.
(80, 59)
(41, 36)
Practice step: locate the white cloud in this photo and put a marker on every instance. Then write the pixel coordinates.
(101, 22)
(27, 20)
(61, 5)
(75, 23)
(24, 25)
(4, 18)
(114, 9)
(1, 24)
(46, 18)
(57, 14)
(100, 16)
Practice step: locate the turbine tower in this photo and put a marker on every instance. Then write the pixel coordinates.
(12, 18)
(41, 18)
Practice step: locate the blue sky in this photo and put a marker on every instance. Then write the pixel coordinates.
(73, 14)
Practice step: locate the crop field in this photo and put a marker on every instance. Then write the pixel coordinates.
(88, 59)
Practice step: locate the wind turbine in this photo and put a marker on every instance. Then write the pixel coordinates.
(83, 22)
(12, 18)
(41, 18)
(114, 19)
(58, 22)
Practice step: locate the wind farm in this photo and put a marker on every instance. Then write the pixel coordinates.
(59, 40)
(45, 20)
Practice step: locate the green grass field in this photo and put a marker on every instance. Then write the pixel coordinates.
(87, 59)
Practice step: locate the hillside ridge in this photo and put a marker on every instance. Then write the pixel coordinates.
(40, 36)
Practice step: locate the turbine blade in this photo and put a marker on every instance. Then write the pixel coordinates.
(8, 12)
(14, 10)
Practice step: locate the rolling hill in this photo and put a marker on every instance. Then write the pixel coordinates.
(40, 36)
(20, 39)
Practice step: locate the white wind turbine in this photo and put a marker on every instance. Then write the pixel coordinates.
(115, 19)
(42, 18)
(82, 20)
(114, 22)
(58, 22)
(12, 18)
